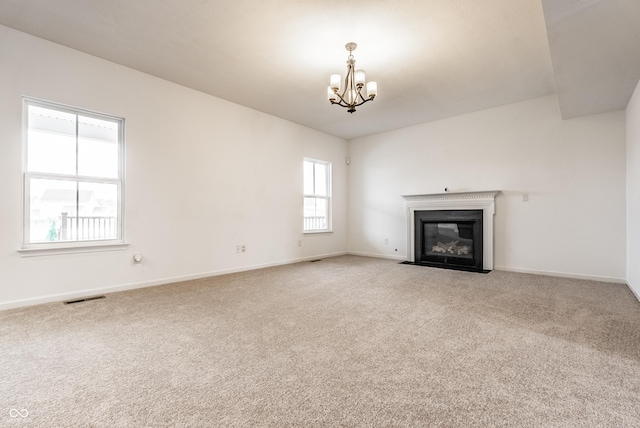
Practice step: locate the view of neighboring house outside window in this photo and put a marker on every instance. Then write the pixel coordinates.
(73, 176)
(317, 196)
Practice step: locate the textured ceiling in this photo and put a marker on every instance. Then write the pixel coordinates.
(431, 58)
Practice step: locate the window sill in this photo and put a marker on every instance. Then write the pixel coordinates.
(317, 232)
(79, 248)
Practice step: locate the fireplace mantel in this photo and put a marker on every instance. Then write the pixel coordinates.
(484, 200)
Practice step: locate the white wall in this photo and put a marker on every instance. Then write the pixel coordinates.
(202, 176)
(572, 170)
(633, 192)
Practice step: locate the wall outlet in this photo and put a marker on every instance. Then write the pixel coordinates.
(525, 197)
(244, 248)
(386, 241)
(238, 248)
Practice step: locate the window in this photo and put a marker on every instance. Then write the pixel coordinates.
(73, 177)
(317, 196)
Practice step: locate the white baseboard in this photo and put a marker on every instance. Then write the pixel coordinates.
(564, 274)
(124, 287)
(518, 270)
(378, 256)
(133, 286)
(633, 290)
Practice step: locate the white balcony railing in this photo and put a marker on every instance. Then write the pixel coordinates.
(315, 223)
(87, 228)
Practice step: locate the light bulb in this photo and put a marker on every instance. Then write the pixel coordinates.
(335, 81)
(372, 90)
(359, 77)
(331, 96)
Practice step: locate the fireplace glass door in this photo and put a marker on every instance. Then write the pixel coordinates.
(449, 238)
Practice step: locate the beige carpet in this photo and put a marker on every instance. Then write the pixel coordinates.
(347, 341)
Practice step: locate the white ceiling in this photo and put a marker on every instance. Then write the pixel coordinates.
(431, 58)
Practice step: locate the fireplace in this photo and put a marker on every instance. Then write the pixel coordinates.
(449, 239)
(451, 230)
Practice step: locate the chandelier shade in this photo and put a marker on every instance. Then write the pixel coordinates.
(349, 94)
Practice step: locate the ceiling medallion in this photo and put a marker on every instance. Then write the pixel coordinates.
(350, 95)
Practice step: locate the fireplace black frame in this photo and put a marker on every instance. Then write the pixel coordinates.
(461, 217)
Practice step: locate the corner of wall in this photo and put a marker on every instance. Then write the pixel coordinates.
(633, 191)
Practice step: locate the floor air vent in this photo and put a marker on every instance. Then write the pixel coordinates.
(85, 299)
(313, 261)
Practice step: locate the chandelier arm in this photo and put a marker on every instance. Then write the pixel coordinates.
(339, 103)
(343, 103)
(342, 100)
(364, 101)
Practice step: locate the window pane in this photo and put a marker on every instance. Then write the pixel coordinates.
(98, 129)
(308, 178)
(52, 142)
(98, 217)
(315, 213)
(53, 214)
(320, 179)
(76, 144)
(51, 201)
(97, 147)
(316, 195)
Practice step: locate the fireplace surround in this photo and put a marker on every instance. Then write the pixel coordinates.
(451, 230)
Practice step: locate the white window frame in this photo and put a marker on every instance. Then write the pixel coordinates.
(44, 248)
(328, 197)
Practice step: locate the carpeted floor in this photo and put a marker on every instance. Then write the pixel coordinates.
(347, 341)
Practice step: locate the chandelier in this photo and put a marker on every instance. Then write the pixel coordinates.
(350, 95)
